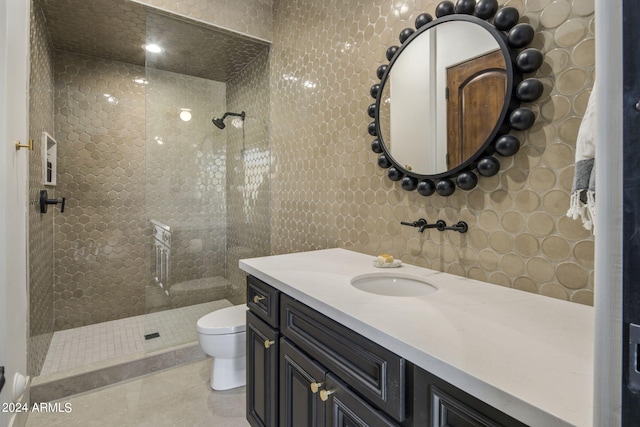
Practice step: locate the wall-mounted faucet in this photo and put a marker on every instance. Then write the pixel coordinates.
(417, 223)
(422, 225)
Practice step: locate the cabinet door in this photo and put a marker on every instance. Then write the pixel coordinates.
(300, 404)
(262, 373)
(439, 404)
(346, 409)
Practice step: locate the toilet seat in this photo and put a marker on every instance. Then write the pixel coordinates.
(230, 320)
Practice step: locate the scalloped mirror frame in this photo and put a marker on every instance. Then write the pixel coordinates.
(513, 38)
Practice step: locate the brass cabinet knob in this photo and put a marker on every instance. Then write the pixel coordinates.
(258, 298)
(324, 394)
(268, 343)
(315, 387)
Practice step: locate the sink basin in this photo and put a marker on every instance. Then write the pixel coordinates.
(393, 284)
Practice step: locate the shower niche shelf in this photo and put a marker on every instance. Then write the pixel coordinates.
(49, 159)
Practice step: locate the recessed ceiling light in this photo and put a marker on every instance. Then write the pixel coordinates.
(185, 114)
(153, 48)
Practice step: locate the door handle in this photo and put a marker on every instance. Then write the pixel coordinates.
(634, 356)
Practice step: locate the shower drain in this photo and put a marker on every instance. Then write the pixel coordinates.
(152, 336)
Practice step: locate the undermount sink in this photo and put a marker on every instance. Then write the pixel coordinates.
(393, 284)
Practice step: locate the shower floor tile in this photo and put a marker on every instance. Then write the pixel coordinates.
(73, 348)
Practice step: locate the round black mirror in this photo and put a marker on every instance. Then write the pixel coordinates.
(450, 95)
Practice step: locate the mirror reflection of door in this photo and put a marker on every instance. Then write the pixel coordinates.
(475, 97)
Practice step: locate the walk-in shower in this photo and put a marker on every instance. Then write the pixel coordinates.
(157, 211)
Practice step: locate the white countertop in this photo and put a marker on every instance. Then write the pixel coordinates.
(528, 355)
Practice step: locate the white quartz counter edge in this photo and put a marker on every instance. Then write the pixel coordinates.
(527, 355)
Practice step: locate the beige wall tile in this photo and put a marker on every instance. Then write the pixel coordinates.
(321, 72)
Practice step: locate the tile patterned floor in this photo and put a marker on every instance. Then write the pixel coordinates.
(175, 397)
(73, 348)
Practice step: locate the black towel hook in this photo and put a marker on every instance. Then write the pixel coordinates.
(45, 201)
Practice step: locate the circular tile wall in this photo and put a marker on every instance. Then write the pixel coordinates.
(327, 190)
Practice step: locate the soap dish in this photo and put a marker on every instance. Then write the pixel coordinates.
(395, 264)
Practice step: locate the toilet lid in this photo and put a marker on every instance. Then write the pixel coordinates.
(230, 320)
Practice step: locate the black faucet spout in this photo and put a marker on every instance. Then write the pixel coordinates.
(419, 223)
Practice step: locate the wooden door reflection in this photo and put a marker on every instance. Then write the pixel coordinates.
(475, 97)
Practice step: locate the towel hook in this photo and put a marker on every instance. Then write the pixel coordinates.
(45, 201)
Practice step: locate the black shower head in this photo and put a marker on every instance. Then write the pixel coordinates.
(219, 122)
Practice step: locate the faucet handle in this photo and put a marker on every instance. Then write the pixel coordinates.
(460, 227)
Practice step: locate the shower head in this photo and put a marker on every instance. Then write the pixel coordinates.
(219, 122)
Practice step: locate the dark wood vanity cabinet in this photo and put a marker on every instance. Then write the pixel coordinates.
(304, 369)
(263, 341)
(299, 364)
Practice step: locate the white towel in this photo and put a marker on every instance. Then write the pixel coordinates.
(583, 193)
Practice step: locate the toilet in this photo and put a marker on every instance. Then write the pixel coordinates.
(222, 336)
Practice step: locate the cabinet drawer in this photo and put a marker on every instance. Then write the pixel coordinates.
(263, 300)
(438, 403)
(448, 411)
(373, 371)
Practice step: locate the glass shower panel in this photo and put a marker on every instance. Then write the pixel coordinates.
(185, 189)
